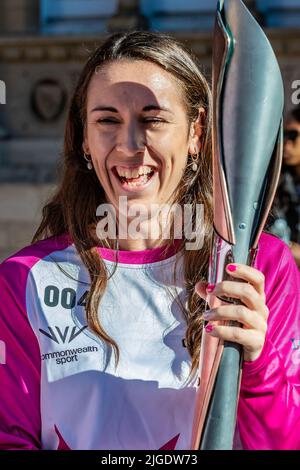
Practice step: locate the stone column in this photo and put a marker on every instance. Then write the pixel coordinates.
(19, 17)
(128, 17)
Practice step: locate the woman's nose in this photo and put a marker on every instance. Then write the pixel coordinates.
(131, 140)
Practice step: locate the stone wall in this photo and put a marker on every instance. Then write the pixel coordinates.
(20, 212)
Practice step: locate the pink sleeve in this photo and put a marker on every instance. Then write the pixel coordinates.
(20, 422)
(269, 406)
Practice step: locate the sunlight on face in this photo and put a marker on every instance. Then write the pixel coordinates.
(137, 131)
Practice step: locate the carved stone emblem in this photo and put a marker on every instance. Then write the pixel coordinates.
(48, 99)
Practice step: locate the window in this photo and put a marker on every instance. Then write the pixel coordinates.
(176, 15)
(76, 16)
(284, 13)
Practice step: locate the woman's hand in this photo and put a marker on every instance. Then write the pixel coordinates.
(252, 315)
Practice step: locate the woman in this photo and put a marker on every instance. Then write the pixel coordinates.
(103, 332)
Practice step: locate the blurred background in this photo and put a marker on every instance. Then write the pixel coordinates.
(43, 45)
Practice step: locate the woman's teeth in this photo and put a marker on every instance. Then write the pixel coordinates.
(135, 177)
(134, 173)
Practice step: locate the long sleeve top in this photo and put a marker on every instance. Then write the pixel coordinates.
(61, 389)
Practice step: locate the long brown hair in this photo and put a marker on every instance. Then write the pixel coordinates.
(72, 209)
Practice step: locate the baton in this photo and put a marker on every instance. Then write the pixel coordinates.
(248, 100)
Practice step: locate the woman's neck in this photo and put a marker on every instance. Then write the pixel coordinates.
(139, 245)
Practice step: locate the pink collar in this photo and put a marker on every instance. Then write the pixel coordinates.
(151, 255)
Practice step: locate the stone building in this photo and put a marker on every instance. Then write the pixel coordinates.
(43, 44)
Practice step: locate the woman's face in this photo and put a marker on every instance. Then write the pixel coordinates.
(137, 132)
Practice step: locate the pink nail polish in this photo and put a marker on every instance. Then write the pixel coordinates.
(210, 287)
(209, 328)
(231, 267)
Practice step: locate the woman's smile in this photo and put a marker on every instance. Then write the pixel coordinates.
(134, 179)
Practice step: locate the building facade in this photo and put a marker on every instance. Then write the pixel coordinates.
(43, 45)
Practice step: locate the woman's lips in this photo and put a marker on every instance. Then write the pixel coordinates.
(136, 184)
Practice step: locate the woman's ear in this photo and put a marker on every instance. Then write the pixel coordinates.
(196, 131)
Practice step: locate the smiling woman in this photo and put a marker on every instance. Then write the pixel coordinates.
(138, 134)
(109, 322)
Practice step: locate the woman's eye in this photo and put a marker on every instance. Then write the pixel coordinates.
(151, 121)
(154, 121)
(107, 121)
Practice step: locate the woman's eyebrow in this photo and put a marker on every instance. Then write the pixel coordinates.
(150, 107)
(155, 107)
(105, 108)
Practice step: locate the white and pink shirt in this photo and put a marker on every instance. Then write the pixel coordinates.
(60, 389)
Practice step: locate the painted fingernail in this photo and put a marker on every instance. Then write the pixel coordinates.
(209, 328)
(231, 267)
(210, 287)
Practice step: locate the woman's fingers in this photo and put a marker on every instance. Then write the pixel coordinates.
(243, 291)
(247, 273)
(201, 289)
(251, 340)
(250, 293)
(251, 313)
(240, 313)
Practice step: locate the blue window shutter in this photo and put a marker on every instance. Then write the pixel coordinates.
(76, 16)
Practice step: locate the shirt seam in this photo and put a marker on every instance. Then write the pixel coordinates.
(145, 266)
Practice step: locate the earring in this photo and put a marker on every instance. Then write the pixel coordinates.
(89, 162)
(194, 160)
